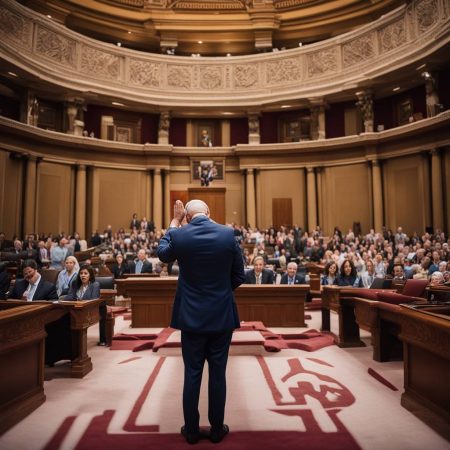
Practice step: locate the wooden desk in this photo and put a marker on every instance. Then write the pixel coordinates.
(277, 306)
(22, 334)
(83, 314)
(425, 333)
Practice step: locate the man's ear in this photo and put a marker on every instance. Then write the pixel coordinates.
(207, 212)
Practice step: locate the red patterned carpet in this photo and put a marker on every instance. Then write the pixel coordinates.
(287, 398)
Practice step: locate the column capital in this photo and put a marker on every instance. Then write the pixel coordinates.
(80, 166)
(157, 171)
(309, 169)
(249, 171)
(435, 151)
(375, 162)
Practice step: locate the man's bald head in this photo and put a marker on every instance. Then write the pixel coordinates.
(194, 208)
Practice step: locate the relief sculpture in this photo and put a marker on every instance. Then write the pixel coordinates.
(283, 71)
(427, 14)
(358, 50)
(144, 73)
(179, 77)
(211, 77)
(245, 75)
(323, 62)
(14, 26)
(392, 36)
(99, 63)
(56, 47)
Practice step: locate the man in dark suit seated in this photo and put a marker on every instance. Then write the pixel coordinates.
(204, 308)
(142, 265)
(33, 286)
(291, 276)
(259, 275)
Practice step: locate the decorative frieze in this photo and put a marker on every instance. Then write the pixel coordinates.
(322, 62)
(427, 14)
(283, 71)
(96, 62)
(359, 50)
(15, 27)
(144, 73)
(179, 77)
(211, 77)
(245, 75)
(56, 47)
(392, 36)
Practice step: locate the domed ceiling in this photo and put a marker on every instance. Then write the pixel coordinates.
(212, 27)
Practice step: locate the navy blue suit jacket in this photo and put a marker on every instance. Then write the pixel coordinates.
(92, 292)
(299, 279)
(211, 267)
(44, 291)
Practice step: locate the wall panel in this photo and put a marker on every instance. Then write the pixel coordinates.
(117, 194)
(406, 193)
(346, 197)
(11, 173)
(288, 183)
(54, 200)
(446, 186)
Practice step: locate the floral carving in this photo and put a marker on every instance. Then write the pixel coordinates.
(14, 26)
(179, 76)
(427, 14)
(245, 75)
(211, 77)
(323, 62)
(392, 36)
(283, 70)
(145, 73)
(359, 50)
(56, 47)
(99, 63)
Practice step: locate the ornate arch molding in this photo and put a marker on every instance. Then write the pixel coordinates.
(63, 57)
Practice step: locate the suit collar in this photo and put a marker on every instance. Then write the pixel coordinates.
(198, 220)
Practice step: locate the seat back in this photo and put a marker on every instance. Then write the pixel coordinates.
(415, 288)
(50, 275)
(381, 283)
(105, 282)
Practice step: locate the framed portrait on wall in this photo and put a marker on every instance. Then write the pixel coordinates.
(294, 128)
(404, 111)
(206, 133)
(207, 172)
(123, 134)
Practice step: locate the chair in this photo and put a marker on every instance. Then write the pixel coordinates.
(105, 282)
(50, 275)
(415, 288)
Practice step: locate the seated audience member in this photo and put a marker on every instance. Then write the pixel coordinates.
(4, 281)
(368, 275)
(66, 276)
(434, 266)
(443, 266)
(164, 271)
(446, 276)
(348, 276)
(259, 275)
(5, 244)
(58, 255)
(33, 287)
(380, 268)
(120, 267)
(329, 276)
(141, 265)
(399, 273)
(422, 270)
(291, 276)
(84, 287)
(135, 222)
(43, 254)
(437, 279)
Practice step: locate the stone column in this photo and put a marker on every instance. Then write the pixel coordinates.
(319, 172)
(317, 109)
(163, 128)
(251, 204)
(80, 201)
(253, 129)
(437, 198)
(377, 193)
(258, 187)
(30, 196)
(157, 199)
(167, 205)
(311, 199)
(32, 110)
(365, 105)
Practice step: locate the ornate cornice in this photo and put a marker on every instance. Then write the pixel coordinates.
(65, 58)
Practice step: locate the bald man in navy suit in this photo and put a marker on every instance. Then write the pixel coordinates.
(211, 267)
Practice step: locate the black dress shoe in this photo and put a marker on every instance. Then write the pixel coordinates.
(101, 343)
(191, 438)
(217, 435)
